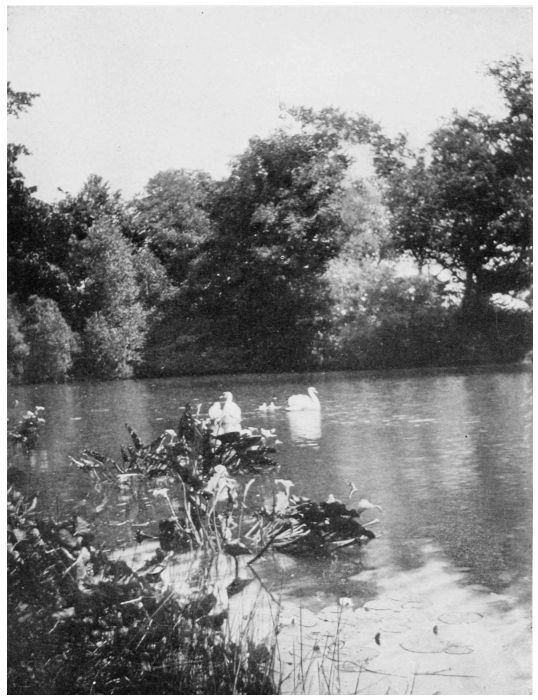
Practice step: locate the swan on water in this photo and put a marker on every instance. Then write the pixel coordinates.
(230, 421)
(302, 402)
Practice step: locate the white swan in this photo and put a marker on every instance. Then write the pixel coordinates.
(302, 402)
(230, 421)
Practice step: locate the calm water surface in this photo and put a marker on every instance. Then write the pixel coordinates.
(447, 456)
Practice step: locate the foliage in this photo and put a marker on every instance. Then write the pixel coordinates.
(94, 201)
(110, 314)
(278, 225)
(197, 276)
(81, 624)
(366, 219)
(383, 320)
(50, 340)
(154, 285)
(36, 236)
(18, 102)
(469, 206)
(26, 432)
(17, 348)
(466, 203)
(172, 218)
(103, 269)
(112, 344)
(213, 514)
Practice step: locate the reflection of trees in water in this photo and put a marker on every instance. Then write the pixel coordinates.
(503, 499)
(305, 426)
(448, 457)
(467, 474)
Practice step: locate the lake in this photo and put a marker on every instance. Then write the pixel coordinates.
(446, 584)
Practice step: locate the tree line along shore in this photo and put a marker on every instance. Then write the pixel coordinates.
(289, 263)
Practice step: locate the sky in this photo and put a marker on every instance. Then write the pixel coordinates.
(128, 91)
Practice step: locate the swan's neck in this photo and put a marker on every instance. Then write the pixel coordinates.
(314, 398)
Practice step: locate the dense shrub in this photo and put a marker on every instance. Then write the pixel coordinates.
(50, 340)
(112, 343)
(380, 319)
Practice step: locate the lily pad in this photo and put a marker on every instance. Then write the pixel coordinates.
(458, 649)
(460, 618)
(393, 627)
(382, 604)
(423, 646)
(413, 605)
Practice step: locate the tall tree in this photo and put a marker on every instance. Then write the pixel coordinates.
(94, 201)
(172, 218)
(278, 224)
(466, 201)
(467, 205)
(111, 316)
(36, 235)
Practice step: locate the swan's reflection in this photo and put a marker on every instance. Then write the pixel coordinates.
(305, 427)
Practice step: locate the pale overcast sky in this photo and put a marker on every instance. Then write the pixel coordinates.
(127, 91)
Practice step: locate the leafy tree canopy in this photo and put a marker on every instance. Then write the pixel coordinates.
(172, 218)
(464, 203)
(467, 205)
(278, 224)
(36, 235)
(94, 201)
(50, 340)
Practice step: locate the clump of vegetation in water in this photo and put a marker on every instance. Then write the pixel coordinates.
(80, 623)
(212, 513)
(26, 432)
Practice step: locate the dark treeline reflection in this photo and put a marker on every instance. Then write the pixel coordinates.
(287, 264)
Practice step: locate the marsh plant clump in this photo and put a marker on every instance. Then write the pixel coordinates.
(83, 621)
(80, 623)
(214, 506)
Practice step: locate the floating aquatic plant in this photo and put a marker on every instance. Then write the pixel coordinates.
(212, 514)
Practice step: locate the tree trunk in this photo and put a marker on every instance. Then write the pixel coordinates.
(475, 297)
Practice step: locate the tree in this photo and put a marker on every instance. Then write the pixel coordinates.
(366, 220)
(112, 343)
(108, 302)
(17, 348)
(466, 202)
(36, 235)
(154, 285)
(468, 207)
(382, 319)
(94, 201)
(50, 340)
(257, 279)
(172, 218)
